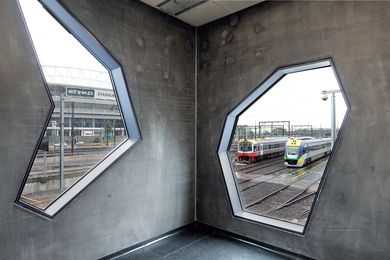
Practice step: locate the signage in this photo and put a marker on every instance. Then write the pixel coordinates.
(105, 94)
(91, 93)
(87, 133)
(80, 92)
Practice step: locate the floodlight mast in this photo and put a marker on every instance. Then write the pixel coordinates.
(333, 111)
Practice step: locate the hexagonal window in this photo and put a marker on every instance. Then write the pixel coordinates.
(278, 141)
(91, 121)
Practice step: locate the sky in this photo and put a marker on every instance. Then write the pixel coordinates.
(297, 98)
(53, 44)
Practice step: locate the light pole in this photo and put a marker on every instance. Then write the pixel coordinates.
(333, 111)
(54, 134)
(62, 143)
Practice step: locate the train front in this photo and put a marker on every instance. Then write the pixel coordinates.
(293, 153)
(245, 151)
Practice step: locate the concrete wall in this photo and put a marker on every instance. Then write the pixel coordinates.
(150, 189)
(352, 216)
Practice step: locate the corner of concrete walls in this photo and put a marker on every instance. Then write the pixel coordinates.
(145, 194)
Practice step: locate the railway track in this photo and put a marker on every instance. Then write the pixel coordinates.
(280, 184)
(280, 192)
(77, 151)
(38, 166)
(258, 178)
(278, 170)
(303, 194)
(253, 165)
(39, 203)
(262, 169)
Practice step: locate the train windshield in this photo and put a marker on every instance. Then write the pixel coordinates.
(245, 147)
(293, 150)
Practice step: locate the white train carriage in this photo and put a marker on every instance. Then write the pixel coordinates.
(254, 150)
(302, 151)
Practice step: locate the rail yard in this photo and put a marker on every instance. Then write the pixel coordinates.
(271, 189)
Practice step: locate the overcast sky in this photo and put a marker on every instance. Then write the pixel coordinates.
(297, 98)
(53, 44)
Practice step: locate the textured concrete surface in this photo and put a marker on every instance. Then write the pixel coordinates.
(351, 217)
(150, 189)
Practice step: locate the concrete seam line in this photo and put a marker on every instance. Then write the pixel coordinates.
(196, 121)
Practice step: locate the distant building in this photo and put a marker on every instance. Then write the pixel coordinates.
(90, 104)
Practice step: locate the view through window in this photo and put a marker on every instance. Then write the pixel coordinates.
(282, 144)
(86, 124)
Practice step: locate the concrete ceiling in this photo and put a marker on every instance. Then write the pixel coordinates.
(198, 12)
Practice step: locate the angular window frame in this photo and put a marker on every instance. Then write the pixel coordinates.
(230, 123)
(75, 28)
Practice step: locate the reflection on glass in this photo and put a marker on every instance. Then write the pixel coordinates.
(282, 144)
(86, 123)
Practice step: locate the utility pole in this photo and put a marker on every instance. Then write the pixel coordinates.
(289, 129)
(333, 111)
(114, 131)
(259, 130)
(62, 142)
(54, 134)
(72, 130)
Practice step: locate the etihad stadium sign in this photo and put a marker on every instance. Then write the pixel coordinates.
(79, 92)
(90, 93)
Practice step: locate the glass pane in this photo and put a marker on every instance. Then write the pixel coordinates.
(86, 124)
(292, 128)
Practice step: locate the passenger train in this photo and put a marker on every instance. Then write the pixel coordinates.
(254, 150)
(301, 151)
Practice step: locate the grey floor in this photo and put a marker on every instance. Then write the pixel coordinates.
(202, 242)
